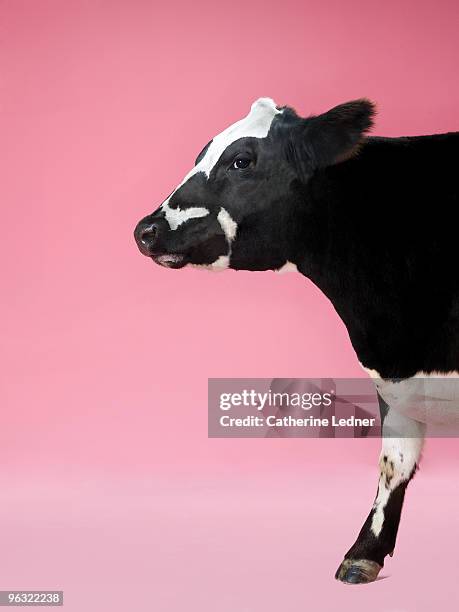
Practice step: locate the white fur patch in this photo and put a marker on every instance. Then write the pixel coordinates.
(429, 398)
(377, 521)
(287, 267)
(228, 224)
(255, 125)
(398, 459)
(177, 216)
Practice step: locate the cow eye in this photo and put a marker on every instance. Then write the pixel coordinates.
(240, 163)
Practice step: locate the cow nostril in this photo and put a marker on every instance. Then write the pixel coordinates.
(148, 234)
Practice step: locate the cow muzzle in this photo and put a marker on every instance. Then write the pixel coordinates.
(149, 236)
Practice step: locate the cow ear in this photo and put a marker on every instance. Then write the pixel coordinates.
(331, 137)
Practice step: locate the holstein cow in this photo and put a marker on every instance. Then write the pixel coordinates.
(370, 221)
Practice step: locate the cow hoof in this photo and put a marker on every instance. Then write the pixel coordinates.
(358, 571)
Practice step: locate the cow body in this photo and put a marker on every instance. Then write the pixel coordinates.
(383, 246)
(371, 221)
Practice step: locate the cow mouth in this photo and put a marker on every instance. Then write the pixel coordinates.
(170, 260)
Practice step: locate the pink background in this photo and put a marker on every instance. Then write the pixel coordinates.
(110, 488)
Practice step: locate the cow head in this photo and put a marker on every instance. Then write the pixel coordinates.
(242, 204)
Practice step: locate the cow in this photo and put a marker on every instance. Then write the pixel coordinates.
(370, 221)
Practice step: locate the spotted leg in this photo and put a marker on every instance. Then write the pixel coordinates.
(398, 462)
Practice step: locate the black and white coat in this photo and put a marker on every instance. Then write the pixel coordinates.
(372, 222)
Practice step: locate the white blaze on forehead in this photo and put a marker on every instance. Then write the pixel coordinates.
(255, 125)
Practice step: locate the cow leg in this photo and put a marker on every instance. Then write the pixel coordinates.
(398, 462)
